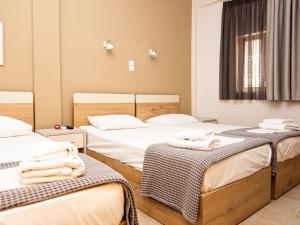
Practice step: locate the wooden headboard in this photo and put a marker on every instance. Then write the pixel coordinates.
(92, 104)
(18, 105)
(148, 106)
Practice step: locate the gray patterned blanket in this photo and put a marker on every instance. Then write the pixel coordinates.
(96, 174)
(275, 139)
(174, 176)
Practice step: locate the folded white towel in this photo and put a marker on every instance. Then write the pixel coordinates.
(63, 171)
(55, 150)
(206, 145)
(266, 131)
(34, 172)
(72, 162)
(278, 121)
(194, 134)
(279, 127)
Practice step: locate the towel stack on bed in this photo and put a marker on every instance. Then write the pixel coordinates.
(47, 163)
(195, 139)
(279, 125)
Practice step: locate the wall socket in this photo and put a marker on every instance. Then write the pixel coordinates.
(131, 66)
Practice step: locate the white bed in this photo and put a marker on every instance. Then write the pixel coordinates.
(124, 151)
(111, 207)
(78, 208)
(286, 149)
(129, 146)
(148, 106)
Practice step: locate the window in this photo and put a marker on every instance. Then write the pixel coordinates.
(252, 61)
(250, 57)
(243, 50)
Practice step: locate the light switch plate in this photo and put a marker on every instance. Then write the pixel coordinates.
(131, 66)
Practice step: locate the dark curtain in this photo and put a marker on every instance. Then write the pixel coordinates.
(283, 50)
(243, 49)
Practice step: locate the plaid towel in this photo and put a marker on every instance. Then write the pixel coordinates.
(96, 174)
(8, 165)
(174, 176)
(275, 139)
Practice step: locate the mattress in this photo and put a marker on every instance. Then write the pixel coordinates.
(286, 149)
(128, 146)
(100, 205)
(14, 149)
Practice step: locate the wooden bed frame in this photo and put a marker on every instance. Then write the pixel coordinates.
(287, 177)
(17, 105)
(288, 172)
(90, 104)
(230, 204)
(148, 106)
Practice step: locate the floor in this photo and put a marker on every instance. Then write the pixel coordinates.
(284, 211)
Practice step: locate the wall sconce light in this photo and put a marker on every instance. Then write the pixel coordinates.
(153, 52)
(107, 45)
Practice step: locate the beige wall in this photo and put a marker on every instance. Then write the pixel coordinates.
(17, 74)
(134, 26)
(206, 79)
(46, 48)
(65, 37)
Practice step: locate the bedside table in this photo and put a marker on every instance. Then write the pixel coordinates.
(207, 120)
(76, 136)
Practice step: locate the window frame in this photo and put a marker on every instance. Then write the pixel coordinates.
(241, 40)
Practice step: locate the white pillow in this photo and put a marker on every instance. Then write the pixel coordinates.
(172, 119)
(10, 127)
(116, 122)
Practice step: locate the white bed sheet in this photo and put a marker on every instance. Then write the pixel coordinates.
(59, 210)
(129, 146)
(216, 127)
(286, 149)
(14, 149)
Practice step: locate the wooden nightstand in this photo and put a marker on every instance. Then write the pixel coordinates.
(76, 136)
(207, 120)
